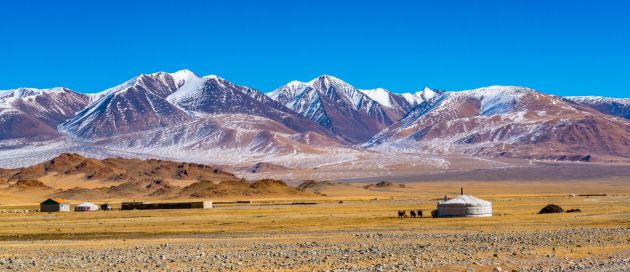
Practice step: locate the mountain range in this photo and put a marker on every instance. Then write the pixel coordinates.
(164, 113)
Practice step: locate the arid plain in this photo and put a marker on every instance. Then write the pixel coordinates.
(344, 226)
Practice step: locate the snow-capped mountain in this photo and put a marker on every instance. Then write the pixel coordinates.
(389, 100)
(506, 121)
(212, 95)
(36, 113)
(612, 106)
(136, 105)
(178, 114)
(165, 111)
(340, 107)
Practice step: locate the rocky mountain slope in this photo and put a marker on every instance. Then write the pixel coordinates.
(619, 107)
(509, 122)
(136, 105)
(181, 115)
(35, 113)
(184, 111)
(342, 108)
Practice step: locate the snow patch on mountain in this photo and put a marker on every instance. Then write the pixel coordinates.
(337, 89)
(619, 107)
(188, 85)
(420, 96)
(7, 97)
(380, 95)
(183, 76)
(598, 99)
(495, 99)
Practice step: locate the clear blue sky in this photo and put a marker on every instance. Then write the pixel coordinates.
(559, 47)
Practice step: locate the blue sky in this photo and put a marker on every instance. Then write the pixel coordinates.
(559, 47)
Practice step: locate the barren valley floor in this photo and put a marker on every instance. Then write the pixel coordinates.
(363, 233)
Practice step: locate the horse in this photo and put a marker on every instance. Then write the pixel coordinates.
(420, 213)
(402, 214)
(413, 214)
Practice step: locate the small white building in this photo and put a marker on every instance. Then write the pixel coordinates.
(464, 206)
(86, 207)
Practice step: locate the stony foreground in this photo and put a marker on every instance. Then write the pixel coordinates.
(581, 249)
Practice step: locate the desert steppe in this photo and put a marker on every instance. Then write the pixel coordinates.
(348, 228)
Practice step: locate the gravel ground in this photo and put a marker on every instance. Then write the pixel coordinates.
(584, 249)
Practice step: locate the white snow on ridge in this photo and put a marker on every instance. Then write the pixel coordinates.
(427, 93)
(9, 97)
(380, 95)
(495, 99)
(495, 90)
(598, 99)
(188, 83)
(420, 96)
(295, 84)
(182, 76)
(288, 91)
(326, 83)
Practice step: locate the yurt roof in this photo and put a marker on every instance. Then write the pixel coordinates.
(465, 200)
(86, 204)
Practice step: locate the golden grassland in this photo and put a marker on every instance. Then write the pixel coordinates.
(346, 210)
(515, 208)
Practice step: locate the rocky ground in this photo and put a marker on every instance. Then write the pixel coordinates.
(579, 249)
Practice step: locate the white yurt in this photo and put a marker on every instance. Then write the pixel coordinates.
(86, 207)
(464, 205)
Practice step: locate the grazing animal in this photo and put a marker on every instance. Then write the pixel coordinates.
(420, 213)
(413, 214)
(402, 214)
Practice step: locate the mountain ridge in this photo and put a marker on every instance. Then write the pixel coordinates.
(182, 112)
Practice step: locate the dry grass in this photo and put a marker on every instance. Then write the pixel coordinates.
(512, 213)
(234, 228)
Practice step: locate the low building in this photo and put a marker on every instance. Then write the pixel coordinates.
(54, 205)
(86, 207)
(106, 207)
(172, 205)
(463, 206)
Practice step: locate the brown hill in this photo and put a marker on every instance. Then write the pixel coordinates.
(312, 185)
(265, 166)
(240, 187)
(131, 189)
(164, 190)
(118, 178)
(118, 169)
(31, 184)
(384, 184)
(78, 193)
(69, 164)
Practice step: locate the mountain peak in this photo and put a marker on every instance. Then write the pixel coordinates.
(215, 77)
(21, 93)
(296, 84)
(502, 89)
(327, 78)
(420, 96)
(380, 95)
(183, 75)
